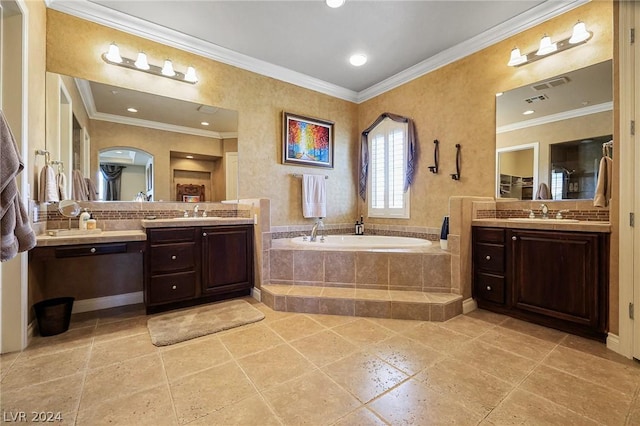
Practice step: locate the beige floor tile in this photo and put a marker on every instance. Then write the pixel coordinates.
(312, 399)
(407, 296)
(364, 375)
(304, 290)
(475, 390)
(118, 329)
(110, 352)
(544, 333)
(296, 327)
(71, 339)
(6, 361)
(278, 288)
(522, 407)
(405, 354)
(274, 366)
(487, 316)
(204, 392)
(82, 320)
(324, 347)
(467, 326)
(366, 294)
(362, 332)
(505, 365)
(59, 397)
(397, 325)
(521, 344)
(360, 417)
(151, 407)
(120, 313)
(331, 321)
(31, 370)
(436, 337)
(250, 339)
(622, 378)
(198, 354)
(595, 348)
(271, 315)
(413, 403)
(591, 400)
(250, 411)
(633, 417)
(122, 378)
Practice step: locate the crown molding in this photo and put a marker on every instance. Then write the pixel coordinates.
(102, 15)
(574, 113)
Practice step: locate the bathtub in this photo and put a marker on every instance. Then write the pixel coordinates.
(362, 241)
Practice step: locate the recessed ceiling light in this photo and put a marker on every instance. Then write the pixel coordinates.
(528, 112)
(335, 3)
(189, 156)
(132, 110)
(358, 59)
(499, 94)
(205, 123)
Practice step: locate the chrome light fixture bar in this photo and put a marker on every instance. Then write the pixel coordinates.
(112, 56)
(547, 48)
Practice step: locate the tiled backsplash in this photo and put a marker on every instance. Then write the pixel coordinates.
(592, 215)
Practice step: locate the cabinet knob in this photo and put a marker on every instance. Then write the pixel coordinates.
(204, 234)
(489, 287)
(514, 238)
(174, 287)
(93, 250)
(173, 257)
(488, 257)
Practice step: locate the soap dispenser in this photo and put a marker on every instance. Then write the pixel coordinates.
(84, 217)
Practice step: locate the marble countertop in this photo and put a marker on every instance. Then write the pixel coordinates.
(103, 237)
(555, 225)
(195, 221)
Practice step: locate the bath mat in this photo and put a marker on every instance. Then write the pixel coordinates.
(175, 327)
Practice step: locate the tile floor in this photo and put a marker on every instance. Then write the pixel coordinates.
(294, 369)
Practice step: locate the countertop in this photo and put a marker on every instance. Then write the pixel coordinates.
(582, 226)
(195, 221)
(103, 237)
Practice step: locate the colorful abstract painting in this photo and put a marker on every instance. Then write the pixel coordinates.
(307, 141)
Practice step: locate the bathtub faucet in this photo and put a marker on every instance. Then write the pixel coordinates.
(314, 231)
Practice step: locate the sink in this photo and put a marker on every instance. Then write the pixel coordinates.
(540, 220)
(72, 232)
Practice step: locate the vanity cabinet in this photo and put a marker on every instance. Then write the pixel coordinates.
(555, 278)
(191, 265)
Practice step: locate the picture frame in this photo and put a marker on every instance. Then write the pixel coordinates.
(307, 141)
(191, 198)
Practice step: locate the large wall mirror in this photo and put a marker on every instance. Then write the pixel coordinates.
(551, 132)
(147, 146)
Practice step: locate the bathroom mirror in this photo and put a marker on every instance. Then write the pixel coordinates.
(569, 110)
(185, 142)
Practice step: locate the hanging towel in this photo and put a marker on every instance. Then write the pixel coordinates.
(79, 186)
(92, 192)
(16, 234)
(48, 185)
(603, 187)
(62, 186)
(314, 196)
(543, 192)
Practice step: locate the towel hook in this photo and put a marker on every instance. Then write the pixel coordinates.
(436, 156)
(46, 155)
(60, 165)
(456, 175)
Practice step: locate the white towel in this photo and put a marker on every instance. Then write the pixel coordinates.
(603, 187)
(48, 185)
(62, 186)
(314, 196)
(543, 192)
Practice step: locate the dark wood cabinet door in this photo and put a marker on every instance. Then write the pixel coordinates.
(227, 259)
(556, 274)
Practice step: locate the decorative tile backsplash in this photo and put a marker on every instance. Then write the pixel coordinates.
(588, 215)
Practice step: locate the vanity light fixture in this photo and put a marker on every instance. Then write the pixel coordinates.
(141, 63)
(579, 36)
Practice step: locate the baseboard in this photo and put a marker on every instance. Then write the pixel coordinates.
(469, 305)
(613, 342)
(256, 294)
(106, 302)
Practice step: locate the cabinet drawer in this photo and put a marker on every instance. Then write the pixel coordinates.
(172, 257)
(489, 235)
(172, 287)
(489, 287)
(171, 235)
(91, 250)
(489, 257)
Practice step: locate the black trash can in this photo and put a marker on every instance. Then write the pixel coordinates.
(54, 315)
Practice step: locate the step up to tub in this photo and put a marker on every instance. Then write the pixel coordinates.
(413, 305)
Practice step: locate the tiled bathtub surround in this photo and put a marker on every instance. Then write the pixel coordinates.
(431, 234)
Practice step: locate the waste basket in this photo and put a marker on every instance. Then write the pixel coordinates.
(54, 315)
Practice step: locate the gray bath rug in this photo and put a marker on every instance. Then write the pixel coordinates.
(175, 327)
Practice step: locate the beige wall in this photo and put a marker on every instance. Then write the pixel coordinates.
(517, 163)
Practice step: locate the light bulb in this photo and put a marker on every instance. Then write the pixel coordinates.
(141, 63)
(334, 3)
(516, 58)
(358, 59)
(167, 69)
(546, 46)
(190, 76)
(113, 54)
(580, 33)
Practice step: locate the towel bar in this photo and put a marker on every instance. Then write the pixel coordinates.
(298, 175)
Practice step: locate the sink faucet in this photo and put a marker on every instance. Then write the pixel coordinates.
(195, 211)
(314, 230)
(545, 211)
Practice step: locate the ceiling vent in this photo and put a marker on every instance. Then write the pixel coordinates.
(550, 84)
(536, 99)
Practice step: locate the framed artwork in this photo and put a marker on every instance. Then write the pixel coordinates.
(307, 141)
(191, 198)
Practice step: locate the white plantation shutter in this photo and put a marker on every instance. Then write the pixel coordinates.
(387, 162)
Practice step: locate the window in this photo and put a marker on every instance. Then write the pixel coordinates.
(387, 170)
